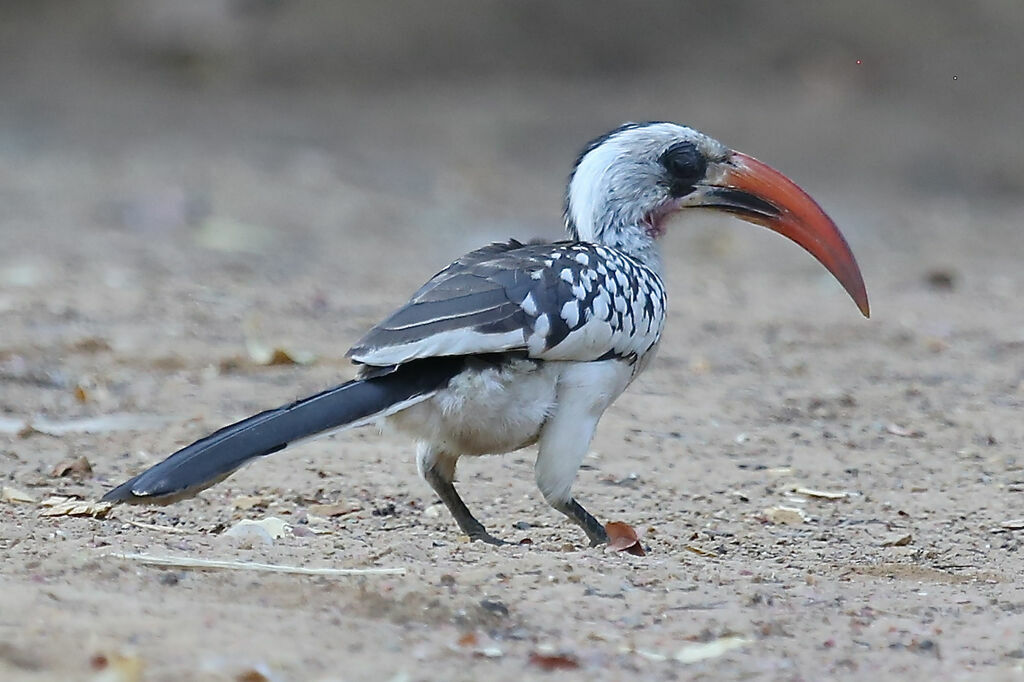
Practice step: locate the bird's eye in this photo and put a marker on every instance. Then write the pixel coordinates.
(686, 166)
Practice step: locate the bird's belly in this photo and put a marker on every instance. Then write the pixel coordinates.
(486, 410)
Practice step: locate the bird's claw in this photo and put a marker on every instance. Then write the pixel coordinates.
(484, 536)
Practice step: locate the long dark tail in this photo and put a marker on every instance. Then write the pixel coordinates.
(215, 457)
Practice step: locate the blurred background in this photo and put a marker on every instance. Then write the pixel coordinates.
(151, 150)
(189, 186)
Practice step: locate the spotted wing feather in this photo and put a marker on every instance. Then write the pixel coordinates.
(564, 300)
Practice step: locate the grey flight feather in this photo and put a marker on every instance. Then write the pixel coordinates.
(213, 458)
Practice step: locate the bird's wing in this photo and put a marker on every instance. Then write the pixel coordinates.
(560, 301)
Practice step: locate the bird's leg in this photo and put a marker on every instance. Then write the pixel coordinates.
(591, 526)
(584, 391)
(438, 471)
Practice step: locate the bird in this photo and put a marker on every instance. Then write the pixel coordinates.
(519, 344)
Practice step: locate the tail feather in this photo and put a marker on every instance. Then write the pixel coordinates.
(211, 459)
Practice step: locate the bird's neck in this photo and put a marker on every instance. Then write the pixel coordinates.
(599, 214)
(633, 240)
(636, 243)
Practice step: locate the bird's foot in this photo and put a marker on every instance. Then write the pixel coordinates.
(597, 534)
(591, 526)
(483, 536)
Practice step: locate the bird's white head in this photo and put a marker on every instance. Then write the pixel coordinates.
(627, 183)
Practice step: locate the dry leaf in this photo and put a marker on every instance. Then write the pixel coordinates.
(823, 494)
(265, 530)
(26, 430)
(471, 642)
(785, 516)
(80, 394)
(328, 510)
(555, 661)
(713, 649)
(622, 538)
(261, 354)
(698, 550)
(59, 505)
(90, 345)
(468, 640)
(903, 431)
(9, 494)
(246, 502)
(78, 467)
(116, 668)
(898, 541)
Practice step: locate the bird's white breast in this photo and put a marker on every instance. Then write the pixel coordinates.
(487, 410)
(494, 410)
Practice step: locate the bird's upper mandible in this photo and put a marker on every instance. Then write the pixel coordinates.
(627, 183)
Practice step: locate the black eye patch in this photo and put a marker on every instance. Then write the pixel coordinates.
(685, 165)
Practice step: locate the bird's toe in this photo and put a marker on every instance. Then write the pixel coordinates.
(484, 536)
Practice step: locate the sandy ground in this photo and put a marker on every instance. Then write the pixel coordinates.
(155, 231)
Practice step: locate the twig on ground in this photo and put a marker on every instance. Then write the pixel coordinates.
(190, 562)
(153, 526)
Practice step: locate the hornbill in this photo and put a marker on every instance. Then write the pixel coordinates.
(519, 344)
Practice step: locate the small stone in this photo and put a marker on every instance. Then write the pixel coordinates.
(494, 606)
(169, 579)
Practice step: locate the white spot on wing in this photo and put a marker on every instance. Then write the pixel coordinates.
(529, 305)
(542, 326)
(571, 313)
(537, 342)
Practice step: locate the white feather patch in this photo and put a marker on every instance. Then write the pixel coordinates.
(452, 342)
